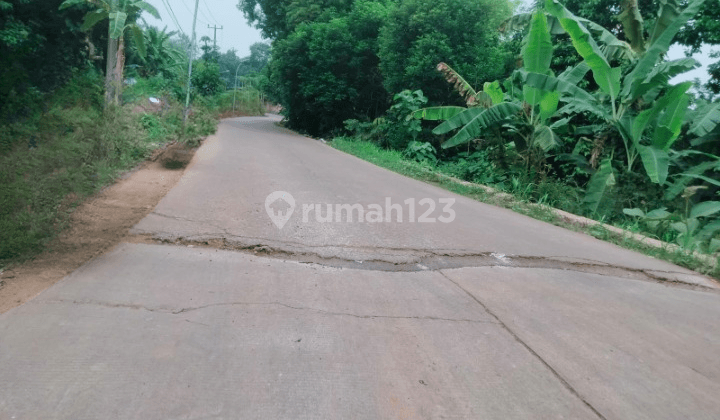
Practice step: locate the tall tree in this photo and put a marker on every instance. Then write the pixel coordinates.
(120, 15)
(278, 18)
(327, 72)
(210, 52)
(33, 34)
(161, 56)
(229, 63)
(419, 34)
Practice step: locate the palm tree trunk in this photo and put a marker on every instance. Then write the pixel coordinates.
(119, 67)
(111, 65)
(114, 71)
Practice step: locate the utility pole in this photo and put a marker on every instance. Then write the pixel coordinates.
(192, 50)
(215, 29)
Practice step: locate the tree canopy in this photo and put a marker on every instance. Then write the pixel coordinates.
(419, 34)
(327, 72)
(340, 59)
(39, 46)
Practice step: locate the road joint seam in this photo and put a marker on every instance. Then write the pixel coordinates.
(517, 338)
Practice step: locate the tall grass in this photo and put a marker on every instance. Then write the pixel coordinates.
(248, 101)
(66, 148)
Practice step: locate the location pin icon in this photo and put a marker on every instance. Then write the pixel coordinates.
(280, 205)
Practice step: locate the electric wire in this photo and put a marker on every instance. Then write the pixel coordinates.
(210, 11)
(191, 12)
(172, 16)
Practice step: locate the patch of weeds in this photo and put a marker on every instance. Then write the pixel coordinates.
(200, 124)
(474, 167)
(156, 130)
(64, 148)
(77, 152)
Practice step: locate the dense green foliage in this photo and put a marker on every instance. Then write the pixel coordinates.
(72, 148)
(121, 17)
(635, 116)
(588, 122)
(247, 68)
(327, 72)
(704, 27)
(277, 19)
(419, 34)
(161, 56)
(340, 59)
(33, 34)
(59, 142)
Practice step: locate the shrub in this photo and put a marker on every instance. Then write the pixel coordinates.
(421, 152)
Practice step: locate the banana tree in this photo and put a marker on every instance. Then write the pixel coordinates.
(611, 46)
(618, 97)
(116, 11)
(527, 112)
(160, 56)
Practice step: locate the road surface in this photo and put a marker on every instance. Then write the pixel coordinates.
(211, 311)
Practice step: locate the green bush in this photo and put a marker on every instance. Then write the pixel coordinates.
(248, 101)
(421, 152)
(206, 79)
(201, 123)
(153, 125)
(47, 113)
(394, 130)
(474, 167)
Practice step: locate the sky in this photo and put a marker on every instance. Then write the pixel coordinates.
(236, 32)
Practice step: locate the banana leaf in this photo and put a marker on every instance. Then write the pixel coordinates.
(494, 91)
(656, 162)
(117, 24)
(657, 79)
(578, 99)
(545, 139)
(707, 118)
(538, 49)
(642, 120)
(660, 44)
(436, 113)
(474, 120)
(574, 74)
(600, 186)
(632, 23)
(92, 18)
(704, 209)
(606, 77)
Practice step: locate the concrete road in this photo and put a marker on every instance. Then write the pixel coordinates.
(213, 312)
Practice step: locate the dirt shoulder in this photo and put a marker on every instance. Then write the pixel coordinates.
(96, 226)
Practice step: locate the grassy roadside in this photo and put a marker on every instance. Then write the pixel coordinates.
(396, 162)
(68, 148)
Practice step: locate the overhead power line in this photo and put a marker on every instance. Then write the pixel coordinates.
(189, 11)
(189, 82)
(210, 11)
(166, 3)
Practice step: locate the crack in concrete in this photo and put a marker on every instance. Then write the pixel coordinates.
(171, 311)
(414, 260)
(517, 338)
